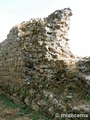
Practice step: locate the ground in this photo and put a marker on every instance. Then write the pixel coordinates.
(10, 111)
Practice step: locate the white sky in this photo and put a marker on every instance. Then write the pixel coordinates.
(13, 12)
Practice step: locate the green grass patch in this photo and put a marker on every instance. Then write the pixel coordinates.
(7, 102)
(65, 100)
(88, 97)
(36, 115)
(48, 119)
(24, 109)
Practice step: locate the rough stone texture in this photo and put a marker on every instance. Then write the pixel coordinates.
(34, 49)
(38, 69)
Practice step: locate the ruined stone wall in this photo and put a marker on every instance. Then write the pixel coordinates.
(38, 69)
(34, 49)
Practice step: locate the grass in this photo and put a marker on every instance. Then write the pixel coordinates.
(88, 97)
(33, 95)
(76, 88)
(65, 100)
(23, 110)
(36, 115)
(58, 90)
(7, 102)
(10, 104)
(69, 91)
(47, 100)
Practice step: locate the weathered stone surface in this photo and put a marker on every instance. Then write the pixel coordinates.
(27, 101)
(31, 46)
(76, 109)
(34, 106)
(38, 69)
(85, 108)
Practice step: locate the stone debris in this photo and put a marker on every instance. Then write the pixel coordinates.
(76, 109)
(85, 108)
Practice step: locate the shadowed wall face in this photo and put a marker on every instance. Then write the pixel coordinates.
(35, 49)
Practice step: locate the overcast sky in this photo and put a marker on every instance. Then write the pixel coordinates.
(13, 12)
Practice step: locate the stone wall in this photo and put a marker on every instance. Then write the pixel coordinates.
(38, 68)
(34, 49)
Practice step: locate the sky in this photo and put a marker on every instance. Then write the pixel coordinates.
(13, 12)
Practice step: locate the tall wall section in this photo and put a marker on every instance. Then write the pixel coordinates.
(34, 49)
(38, 69)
